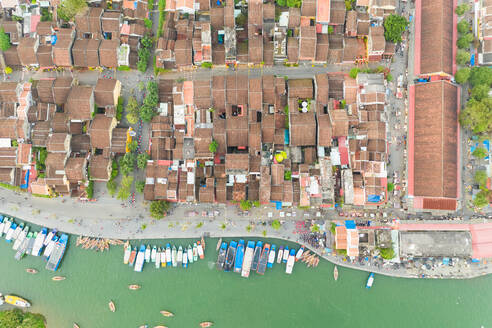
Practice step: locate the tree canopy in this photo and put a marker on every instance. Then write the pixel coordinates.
(125, 188)
(142, 160)
(212, 147)
(4, 40)
(140, 185)
(481, 75)
(462, 9)
(481, 199)
(480, 152)
(480, 92)
(19, 319)
(394, 26)
(158, 208)
(462, 75)
(133, 111)
(462, 57)
(69, 8)
(477, 115)
(463, 27)
(127, 163)
(480, 178)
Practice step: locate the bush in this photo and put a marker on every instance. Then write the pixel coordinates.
(69, 8)
(276, 224)
(90, 190)
(8, 70)
(148, 22)
(133, 111)
(389, 77)
(143, 59)
(158, 208)
(124, 68)
(212, 147)
(354, 72)
(462, 75)
(391, 187)
(119, 109)
(482, 198)
(142, 160)
(463, 27)
(140, 185)
(394, 26)
(288, 175)
(132, 146)
(207, 65)
(127, 163)
(330, 29)
(387, 253)
(462, 57)
(481, 178)
(462, 9)
(480, 152)
(4, 40)
(245, 205)
(125, 188)
(111, 186)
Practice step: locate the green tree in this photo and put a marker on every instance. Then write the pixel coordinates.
(69, 8)
(480, 92)
(394, 26)
(463, 42)
(140, 186)
(147, 113)
(142, 160)
(477, 115)
(276, 224)
(481, 177)
(125, 188)
(462, 57)
(245, 205)
(143, 59)
(387, 253)
(4, 40)
(148, 23)
(158, 208)
(127, 163)
(212, 147)
(152, 96)
(354, 72)
(481, 75)
(133, 117)
(241, 20)
(463, 27)
(480, 152)
(111, 186)
(482, 198)
(281, 3)
(462, 9)
(133, 145)
(462, 75)
(133, 111)
(391, 187)
(19, 319)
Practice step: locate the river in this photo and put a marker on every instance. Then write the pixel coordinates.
(307, 298)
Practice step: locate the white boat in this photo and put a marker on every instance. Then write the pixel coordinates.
(10, 232)
(299, 253)
(200, 250)
(185, 259)
(128, 252)
(38, 243)
(286, 254)
(6, 226)
(180, 256)
(17, 231)
(168, 255)
(370, 280)
(195, 252)
(153, 253)
(147, 254)
(163, 258)
(291, 261)
(49, 237)
(190, 254)
(21, 238)
(271, 257)
(139, 262)
(157, 258)
(280, 254)
(51, 245)
(173, 255)
(248, 259)
(2, 224)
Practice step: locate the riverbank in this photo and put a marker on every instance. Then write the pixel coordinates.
(20, 319)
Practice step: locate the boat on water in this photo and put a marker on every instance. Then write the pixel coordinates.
(299, 253)
(75, 325)
(2, 223)
(49, 237)
(112, 308)
(20, 238)
(185, 259)
(10, 233)
(15, 301)
(158, 258)
(174, 255)
(218, 244)
(58, 278)
(133, 256)
(200, 249)
(291, 261)
(248, 258)
(147, 254)
(17, 231)
(271, 256)
(167, 313)
(238, 263)
(262, 263)
(256, 255)
(160, 326)
(206, 324)
(38, 243)
(51, 245)
(195, 252)
(163, 258)
(179, 258)
(6, 226)
(370, 280)
(32, 271)
(190, 254)
(168, 255)
(23, 247)
(202, 242)
(280, 254)
(222, 256)
(127, 253)
(335, 273)
(230, 256)
(139, 262)
(134, 287)
(57, 254)
(286, 254)
(153, 254)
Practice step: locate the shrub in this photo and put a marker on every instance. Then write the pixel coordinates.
(4, 40)
(354, 72)
(481, 178)
(390, 187)
(142, 160)
(148, 22)
(389, 77)
(69, 8)
(387, 253)
(463, 27)
(124, 68)
(212, 147)
(276, 224)
(462, 9)
(288, 175)
(462, 75)
(394, 26)
(245, 205)
(480, 152)
(127, 163)
(8, 70)
(132, 146)
(119, 109)
(462, 57)
(111, 186)
(140, 186)
(207, 65)
(482, 198)
(125, 188)
(90, 189)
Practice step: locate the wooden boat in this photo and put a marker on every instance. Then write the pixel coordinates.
(218, 244)
(167, 313)
(206, 324)
(112, 308)
(75, 325)
(58, 278)
(160, 326)
(134, 287)
(203, 243)
(143, 326)
(33, 271)
(335, 273)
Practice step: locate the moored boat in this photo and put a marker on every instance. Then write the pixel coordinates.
(2, 224)
(262, 263)
(38, 243)
(206, 324)
(16, 301)
(179, 258)
(51, 245)
(6, 226)
(168, 255)
(291, 261)
(248, 258)
(10, 232)
(271, 256)
(139, 262)
(167, 313)
(286, 254)
(174, 259)
(238, 263)
(23, 247)
(160, 326)
(185, 259)
(133, 256)
(221, 257)
(163, 258)
(49, 237)
(17, 231)
(280, 254)
(370, 280)
(134, 287)
(126, 255)
(299, 253)
(57, 254)
(230, 256)
(147, 254)
(218, 244)
(195, 252)
(112, 307)
(153, 254)
(335, 273)
(58, 278)
(32, 271)
(202, 242)
(75, 325)
(190, 254)
(158, 258)
(200, 249)
(30, 244)
(20, 238)
(256, 256)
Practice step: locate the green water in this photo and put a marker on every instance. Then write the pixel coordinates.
(307, 298)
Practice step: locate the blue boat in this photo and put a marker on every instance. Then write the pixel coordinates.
(370, 280)
(238, 265)
(168, 255)
(230, 256)
(256, 256)
(57, 254)
(222, 256)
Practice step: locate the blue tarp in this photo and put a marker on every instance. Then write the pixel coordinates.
(445, 260)
(278, 205)
(54, 38)
(26, 181)
(286, 136)
(374, 198)
(350, 224)
(475, 260)
(472, 60)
